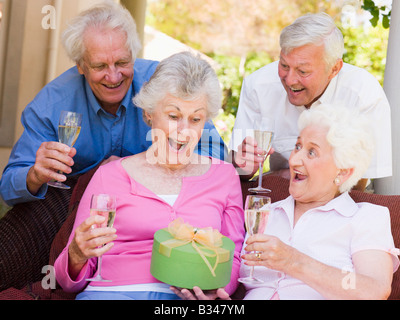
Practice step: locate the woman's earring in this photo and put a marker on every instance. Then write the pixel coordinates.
(337, 181)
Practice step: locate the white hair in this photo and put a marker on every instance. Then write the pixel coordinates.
(105, 16)
(317, 29)
(184, 76)
(349, 134)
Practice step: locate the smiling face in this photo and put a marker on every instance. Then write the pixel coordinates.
(304, 74)
(312, 167)
(176, 128)
(107, 66)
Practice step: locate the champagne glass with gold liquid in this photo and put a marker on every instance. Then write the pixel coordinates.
(256, 215)
(104, 205)
(263, 134)
(69, 127)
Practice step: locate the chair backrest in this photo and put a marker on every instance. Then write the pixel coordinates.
(278, 185)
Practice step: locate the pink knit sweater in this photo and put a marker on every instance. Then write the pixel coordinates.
(213, 199)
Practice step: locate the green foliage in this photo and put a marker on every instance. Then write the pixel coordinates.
(231, 76)
(210, 26)
(376, 12)
(366, 48)
(174, 17)
(224, 124)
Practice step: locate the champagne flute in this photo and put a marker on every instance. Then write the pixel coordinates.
(103, 205)
(257, 210)
(69, 127)
(263, 134)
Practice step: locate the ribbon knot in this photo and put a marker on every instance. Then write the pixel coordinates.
(209, 238)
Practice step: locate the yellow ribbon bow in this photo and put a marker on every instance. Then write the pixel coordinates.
(209, 238)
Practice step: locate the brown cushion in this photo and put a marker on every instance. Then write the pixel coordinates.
(278, 185)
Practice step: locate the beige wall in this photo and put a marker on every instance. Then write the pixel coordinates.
(43, 57)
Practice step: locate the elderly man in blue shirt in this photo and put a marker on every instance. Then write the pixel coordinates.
(103, 43)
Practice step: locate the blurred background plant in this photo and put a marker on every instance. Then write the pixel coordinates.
(242, 36)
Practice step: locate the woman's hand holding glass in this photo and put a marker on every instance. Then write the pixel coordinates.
(273, 253)
(89, 242)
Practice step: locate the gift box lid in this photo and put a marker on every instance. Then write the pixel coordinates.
(183, 264)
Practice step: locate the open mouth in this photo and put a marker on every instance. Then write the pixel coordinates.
(177, 145)
(299, 176)
(113, 86)
(296, 90)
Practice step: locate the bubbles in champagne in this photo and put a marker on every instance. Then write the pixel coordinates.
(68, 134)
(108, 214)
(264, 139)
(256, 220)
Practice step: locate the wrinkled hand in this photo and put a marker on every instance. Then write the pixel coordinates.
(198, 294)
(51, 157)
(248, 157)
(89, 242)
(274, 254)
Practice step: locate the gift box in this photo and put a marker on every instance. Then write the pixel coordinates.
(185, 257)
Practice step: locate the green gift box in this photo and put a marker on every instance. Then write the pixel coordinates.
(186, 263)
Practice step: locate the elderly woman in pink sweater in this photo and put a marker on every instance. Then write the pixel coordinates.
(155, 187)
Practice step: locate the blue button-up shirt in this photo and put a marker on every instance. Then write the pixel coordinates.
(101, 136)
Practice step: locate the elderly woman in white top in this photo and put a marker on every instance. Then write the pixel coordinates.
(319, 243)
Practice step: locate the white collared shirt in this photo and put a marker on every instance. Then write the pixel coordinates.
(263, 95)
(330, 234)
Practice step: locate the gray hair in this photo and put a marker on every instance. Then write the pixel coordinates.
(349, 134)
(184, 76)
(106, 16)
(317, 29)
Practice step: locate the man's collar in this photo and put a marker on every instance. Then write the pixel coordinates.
(328, 93)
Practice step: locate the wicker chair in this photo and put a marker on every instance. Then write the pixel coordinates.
(26, 234)
(34, 256)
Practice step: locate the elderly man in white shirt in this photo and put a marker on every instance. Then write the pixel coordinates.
(310, 72)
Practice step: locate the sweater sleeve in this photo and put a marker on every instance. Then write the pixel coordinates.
(233, 223)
